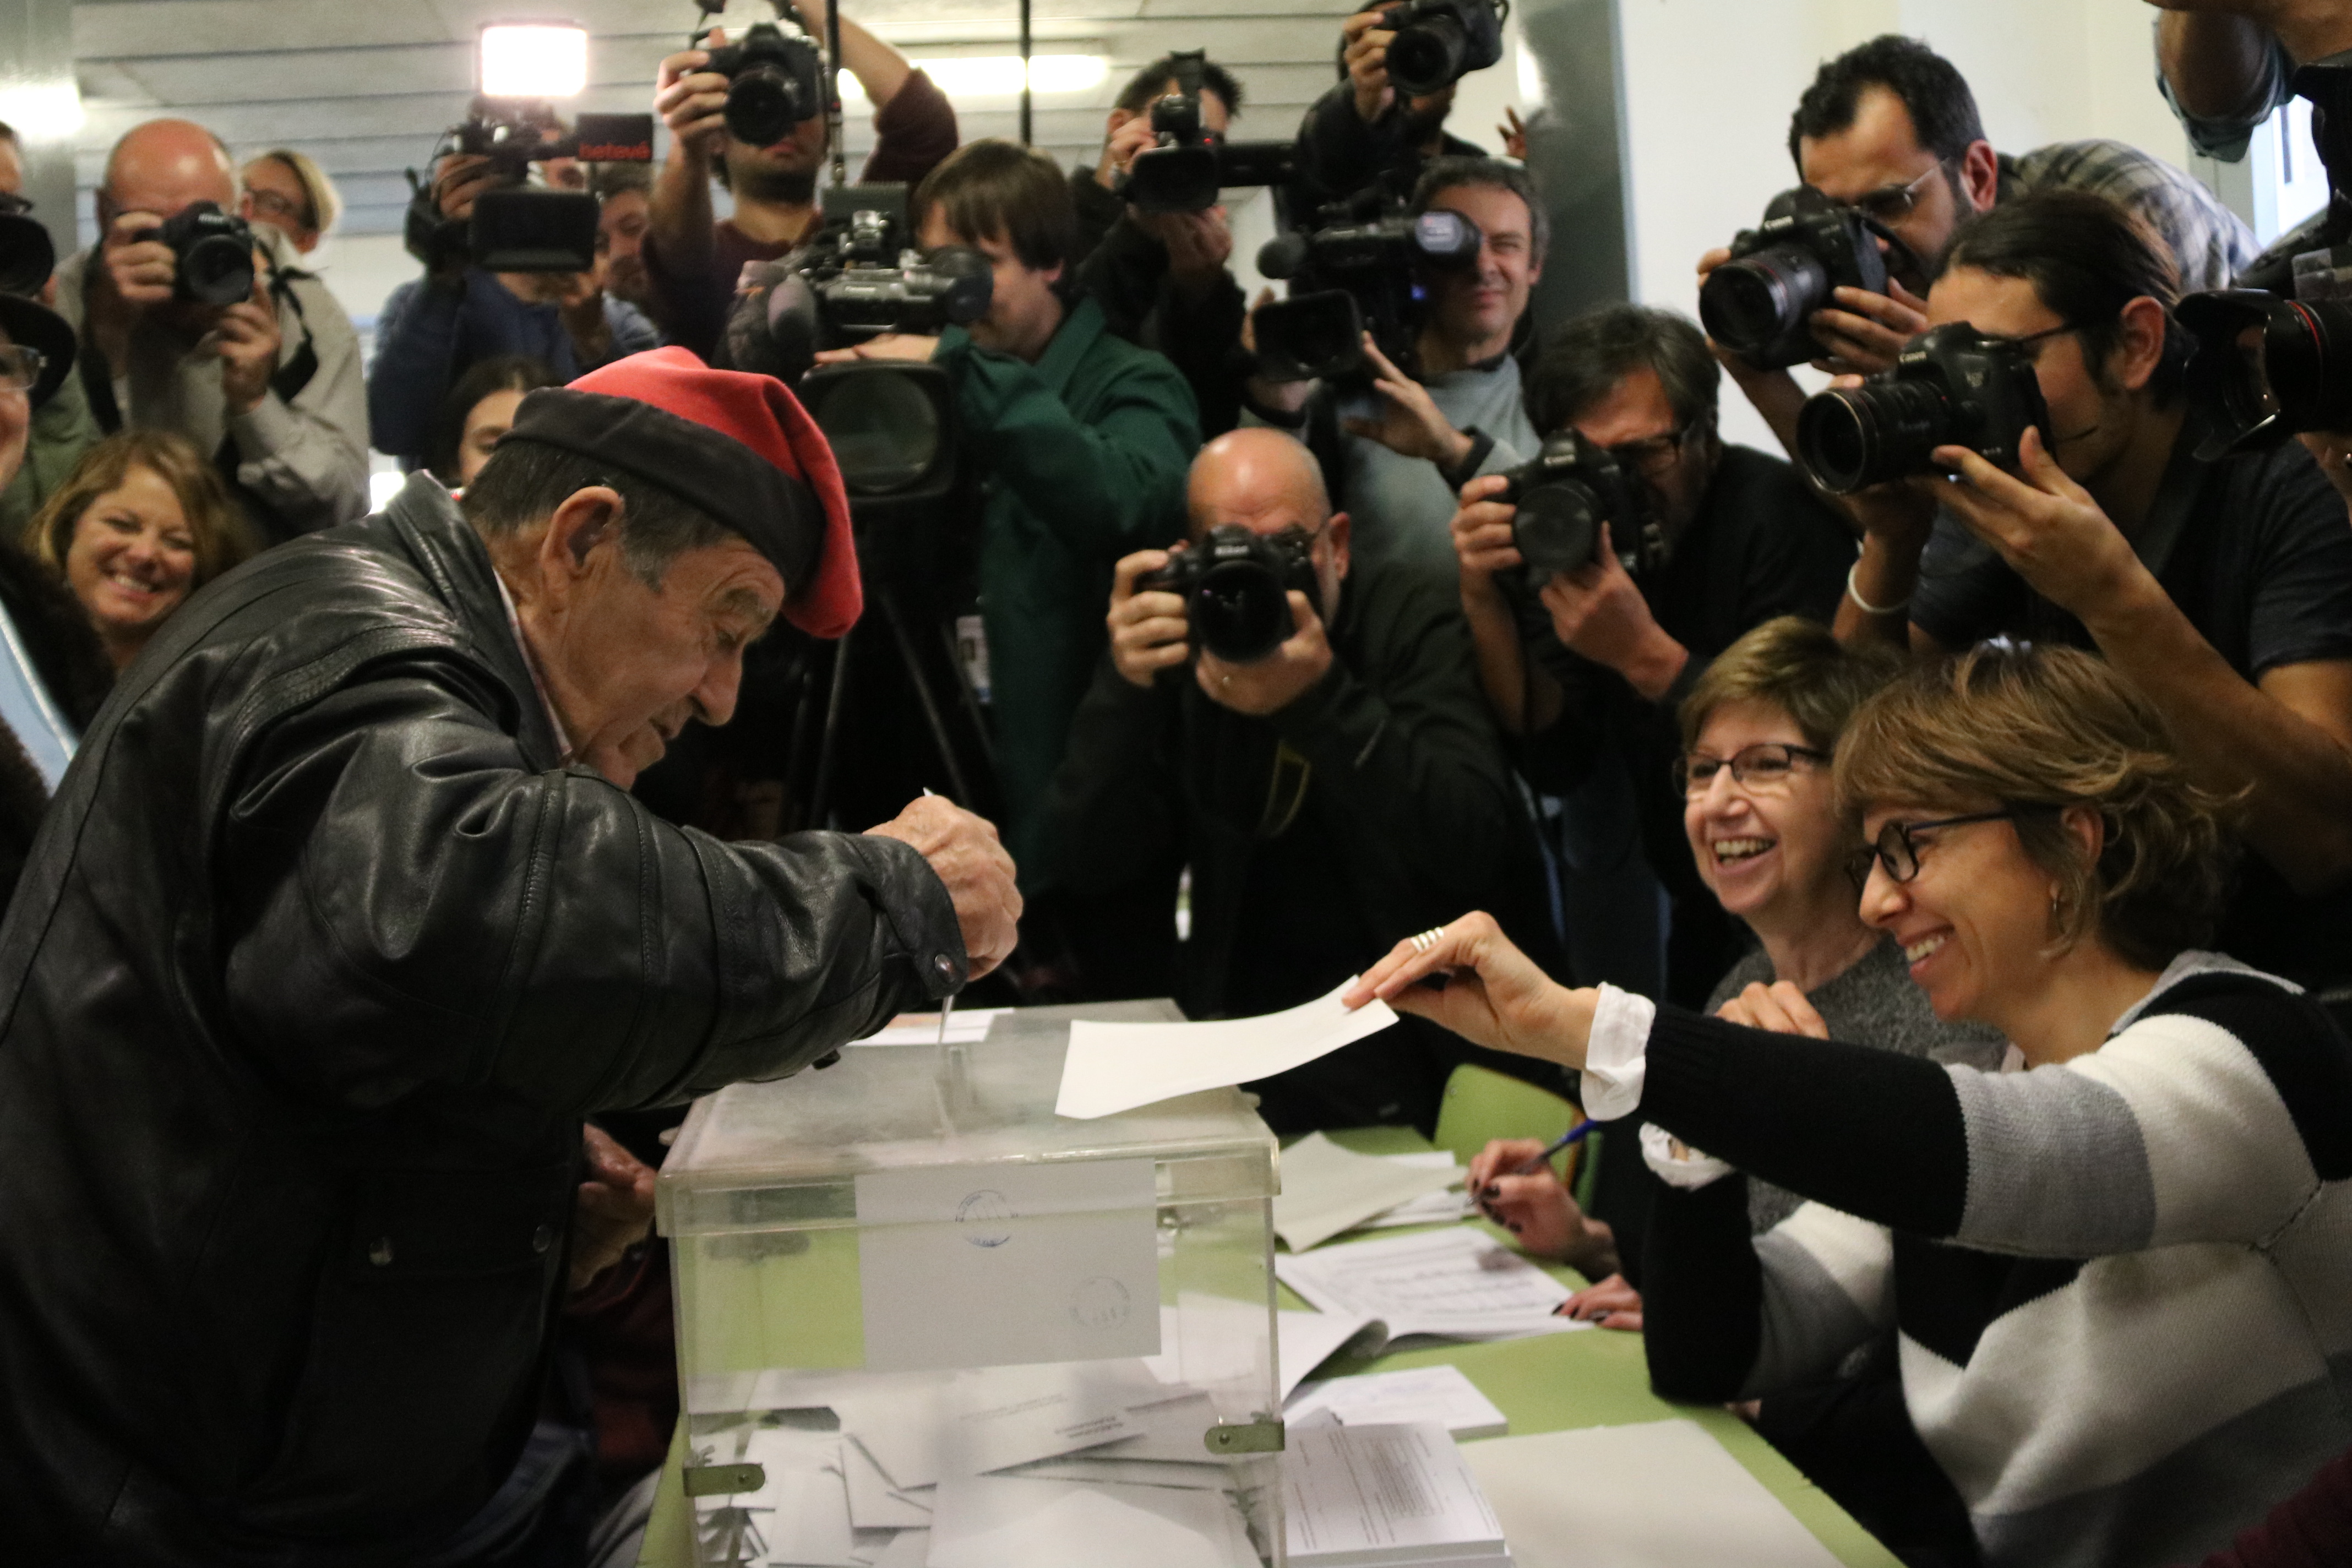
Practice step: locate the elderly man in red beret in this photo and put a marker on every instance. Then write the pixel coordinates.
(343, 919)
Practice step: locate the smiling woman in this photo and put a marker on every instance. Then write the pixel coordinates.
(142, 522)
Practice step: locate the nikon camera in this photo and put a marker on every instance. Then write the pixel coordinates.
(1356, 273)
(1439, 42)
(1188, 164)
(1758, 303)
(774, 82)
(1951, 386)
(1236, 587)
(1564, 495)
(213, 252)
(2266, 367)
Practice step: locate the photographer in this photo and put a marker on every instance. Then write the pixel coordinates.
(1344, 788)
(1402, 450)
(433, 330)
(1891, 129)
(2222, 590)
(1593, 662)
(624, 197)
(1080, 441)
(270, 384)
(1363, 132)
(693, 259)
(1163, 279)
(63, 427)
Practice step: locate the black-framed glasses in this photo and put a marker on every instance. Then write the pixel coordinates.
(1765, 766)
(1655, 456)
(1897, 850)
(2034, 339)
(1893, 204)
(20, 367)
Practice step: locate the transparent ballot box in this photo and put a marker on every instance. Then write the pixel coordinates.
(924, 1323)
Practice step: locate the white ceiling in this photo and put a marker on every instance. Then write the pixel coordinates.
(365, 88)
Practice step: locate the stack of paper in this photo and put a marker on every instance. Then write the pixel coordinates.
(1116, 1066)
(965, 1027)
(1451, 1284)
(1439, 1393)
(1327, 1189)
(1385, 1497)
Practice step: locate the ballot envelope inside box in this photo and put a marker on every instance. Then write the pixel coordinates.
(924, 1323)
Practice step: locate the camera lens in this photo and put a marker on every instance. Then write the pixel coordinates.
(1428, 55)
(26, 256)
(1557, 528)
(2300, 364)
(1867, 434)
(1750, 304)
(218, 269)
(1241, 611)
(885, 432)
(763, 106)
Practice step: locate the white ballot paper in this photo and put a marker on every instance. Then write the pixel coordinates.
(1014, 1414)
(1361, 1497)
(964, 1266)
(1661, 1494)
(996, 1521)
(1439, 1393)
(966, 1027)
(1116, 1066)
(1453, 1284)
(874, 1502)
(802, 1509)
(1327, 1189)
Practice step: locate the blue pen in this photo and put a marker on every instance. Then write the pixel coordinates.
(1574, 1135)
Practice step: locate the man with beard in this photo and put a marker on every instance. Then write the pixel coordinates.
(624, 210)
(691, 260)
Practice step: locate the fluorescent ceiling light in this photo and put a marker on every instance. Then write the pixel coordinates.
(50, 111)
(534, 60)
(999, 76)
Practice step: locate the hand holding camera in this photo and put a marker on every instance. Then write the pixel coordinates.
(247, 339)
(1366, 60)
(1242, 601)
(1485, 540)
(1198, 245)
(1597, 611)
(139, 268)
(2046, 527)
(692, 100)
(1410, 422)
(1149, 632)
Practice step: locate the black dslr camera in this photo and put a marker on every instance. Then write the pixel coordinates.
(1356, 273)
(519, 227)
(2266, 368)
(1564, 495)
(773, 82)
(1188, 164)
(1758, 303)
(1439, 42)
(1951, 386)
(214, 251)
(1236, 589)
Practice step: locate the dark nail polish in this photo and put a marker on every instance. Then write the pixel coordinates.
(1511, 1226)
(1491, 1190)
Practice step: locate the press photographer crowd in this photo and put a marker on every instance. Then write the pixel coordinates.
(1924, 849)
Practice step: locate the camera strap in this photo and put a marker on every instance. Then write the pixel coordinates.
(1286, 794)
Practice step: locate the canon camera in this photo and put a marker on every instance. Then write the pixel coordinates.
(1759, 303)
(774, 82)
(1439, 42)
(1563, 496)
(1356, 274)
(1951, 386)
(2266, 367)
(1236, 588)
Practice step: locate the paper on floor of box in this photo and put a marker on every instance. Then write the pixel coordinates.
(1661, 1494)
(910, 1548)
(1012, 1415)
(1327, 1189)
(1085, 1466)
(1112, 1068)
(991, 1522)
(802, 1509)
(874, 1502)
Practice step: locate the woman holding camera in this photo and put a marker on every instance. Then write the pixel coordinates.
(2117, 1275)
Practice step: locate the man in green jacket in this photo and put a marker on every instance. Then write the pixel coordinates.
(1081, 440)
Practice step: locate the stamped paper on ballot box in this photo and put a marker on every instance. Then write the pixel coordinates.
(1005, 1265)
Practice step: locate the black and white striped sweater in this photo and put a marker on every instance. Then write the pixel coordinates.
(2123, 1283)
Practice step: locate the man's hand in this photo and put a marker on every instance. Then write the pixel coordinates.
(458, 180)
(964, 853)
(2333, 449)
(1488, 991)
(2045, 526)
(692, 102)
(1780, 1007)
(138, 271)
(1275, 681)
(1367, 63)
(1118, 153)
(1514, 134)
(246, 337)
(614, 1209)
(1409, 424)
(889, 345)
(1198, 244)
(1597, 611)
(1863, 331)
(1484, 541)
(1147, 626)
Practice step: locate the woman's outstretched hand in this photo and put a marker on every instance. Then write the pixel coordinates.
(1484, 990)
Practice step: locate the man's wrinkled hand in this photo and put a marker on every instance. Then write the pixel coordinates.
(1597, 611)
(1275, 681)
(614, 1208)
(965, 855)
(1148, 630)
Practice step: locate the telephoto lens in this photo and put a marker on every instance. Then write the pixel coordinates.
(2266, 367)
(1951, 386)
(1759, 304)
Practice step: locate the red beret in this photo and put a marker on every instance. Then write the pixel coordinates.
(738, 446)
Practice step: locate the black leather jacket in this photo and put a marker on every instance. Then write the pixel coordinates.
(318, 961)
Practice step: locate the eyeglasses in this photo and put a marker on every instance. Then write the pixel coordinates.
(1893, 204)
(1897, 848)
(269, 204)
(1763, 768)
(1653, 456)
(2035, 339)
(20, 367)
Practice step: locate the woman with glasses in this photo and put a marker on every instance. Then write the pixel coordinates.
(2118, 1273)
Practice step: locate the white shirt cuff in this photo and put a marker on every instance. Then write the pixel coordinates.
(1679, 1165)
(1616, 1055)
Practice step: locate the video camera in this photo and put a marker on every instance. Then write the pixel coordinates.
(2266, 368)
(1439, 42)
(774, 82)
(1758, 304)
(1564, 495)
(1951, 386)
(1236, 586)
(1189, 165)
(1354, 274)
(519, 227)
